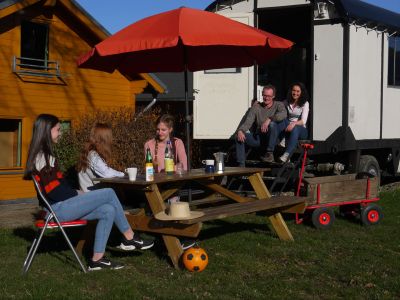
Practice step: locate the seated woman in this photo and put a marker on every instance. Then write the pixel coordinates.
(164, 133)
(94, 158)
(298, 108)
(102, 205)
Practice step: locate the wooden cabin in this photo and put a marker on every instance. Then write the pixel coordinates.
(40, 41)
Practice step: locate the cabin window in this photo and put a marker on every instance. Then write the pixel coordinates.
(10, 143)
(394, 61)
(34, 45)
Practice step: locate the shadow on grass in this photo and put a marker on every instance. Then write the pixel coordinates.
(52, 243)
(218, 228)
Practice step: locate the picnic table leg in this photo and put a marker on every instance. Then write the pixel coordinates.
(172, 244)
(277, 221)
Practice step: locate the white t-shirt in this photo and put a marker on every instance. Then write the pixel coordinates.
(97, 168)
(298, 113)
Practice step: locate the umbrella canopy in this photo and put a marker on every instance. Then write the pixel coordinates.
(184, 39)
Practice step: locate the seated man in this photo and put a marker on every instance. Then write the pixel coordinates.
(268, 117)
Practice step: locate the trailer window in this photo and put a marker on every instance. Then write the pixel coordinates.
(394, 61)
(224, 70)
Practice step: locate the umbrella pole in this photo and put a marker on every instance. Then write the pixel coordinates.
(187, 120)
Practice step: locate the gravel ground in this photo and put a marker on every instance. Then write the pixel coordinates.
(390, 186)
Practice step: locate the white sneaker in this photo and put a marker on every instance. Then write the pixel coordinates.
(284, 157)
(282, 143)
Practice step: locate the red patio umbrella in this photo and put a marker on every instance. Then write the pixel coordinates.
(182, 40)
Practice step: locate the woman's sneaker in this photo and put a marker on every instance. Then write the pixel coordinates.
(284, 158)
(135, 243)
(104, 263)
(282, 143)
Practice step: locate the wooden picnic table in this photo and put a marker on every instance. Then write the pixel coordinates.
(164, 186)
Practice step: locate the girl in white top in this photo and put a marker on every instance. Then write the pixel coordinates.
(298, 109)
(95, 156)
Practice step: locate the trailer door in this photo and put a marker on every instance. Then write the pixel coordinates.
(222, 96)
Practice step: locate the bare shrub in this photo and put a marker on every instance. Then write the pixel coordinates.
(130, 132)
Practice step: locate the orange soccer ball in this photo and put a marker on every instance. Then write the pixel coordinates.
(195, 259)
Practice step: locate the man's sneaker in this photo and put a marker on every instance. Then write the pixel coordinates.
(284, 158)
(103, 263)
(268, 157)
(186, 244)
(136, 243)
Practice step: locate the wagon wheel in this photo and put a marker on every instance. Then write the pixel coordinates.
(322, 218)
(371, 215)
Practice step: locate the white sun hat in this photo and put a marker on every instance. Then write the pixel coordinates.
(178, 211)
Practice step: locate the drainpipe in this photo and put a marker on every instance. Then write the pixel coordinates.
(255, 68)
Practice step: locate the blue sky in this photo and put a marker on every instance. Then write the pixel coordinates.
(116, 14)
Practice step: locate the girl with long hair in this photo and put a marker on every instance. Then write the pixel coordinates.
(95, 157)
(164, 133)
(102, 205)
(298, 108)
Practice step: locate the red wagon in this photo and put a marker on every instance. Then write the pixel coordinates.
(354, 194)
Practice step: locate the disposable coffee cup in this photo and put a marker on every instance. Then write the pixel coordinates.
(132, 172)
(208, 162)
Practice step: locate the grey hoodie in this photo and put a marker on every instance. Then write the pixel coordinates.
(259, 113)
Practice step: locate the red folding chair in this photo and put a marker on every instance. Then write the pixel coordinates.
(50, 221)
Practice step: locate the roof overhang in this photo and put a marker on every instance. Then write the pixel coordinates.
(360, 12)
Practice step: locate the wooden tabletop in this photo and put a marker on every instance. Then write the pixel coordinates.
(192, 175)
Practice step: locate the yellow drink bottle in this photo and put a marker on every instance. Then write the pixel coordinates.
(149, 166)
(169, 159)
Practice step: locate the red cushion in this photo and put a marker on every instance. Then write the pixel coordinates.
(40, 223)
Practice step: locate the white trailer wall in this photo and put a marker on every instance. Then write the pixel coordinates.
(222, 98)
(391, 104)
(328, 74)
(239, 7)
(365, 83)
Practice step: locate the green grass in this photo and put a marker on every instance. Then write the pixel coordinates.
(246, 261)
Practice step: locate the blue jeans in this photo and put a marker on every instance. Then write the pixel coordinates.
(297, 133)
(252, 140)
(102, 205)
(270, 138)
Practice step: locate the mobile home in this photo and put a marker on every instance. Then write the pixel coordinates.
(347, 53)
